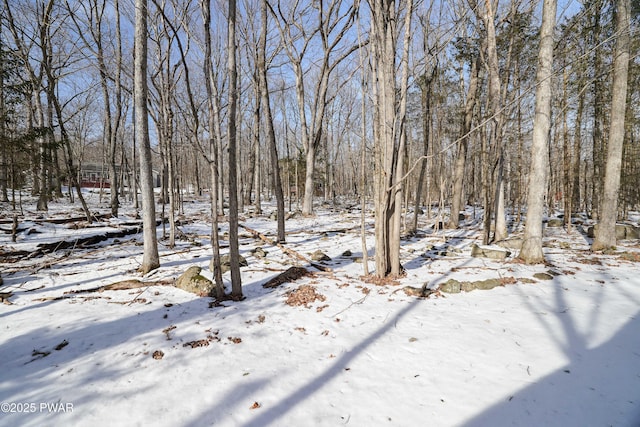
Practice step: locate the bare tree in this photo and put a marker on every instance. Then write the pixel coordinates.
(532, 246)
(214, 135)
(463, 146)
(91, 32)
(234, 250)
(606, 230)
(333, 22)
(271, 136)
(150, 260)
(389, 132)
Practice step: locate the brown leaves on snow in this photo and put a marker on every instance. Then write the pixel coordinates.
(304, 295)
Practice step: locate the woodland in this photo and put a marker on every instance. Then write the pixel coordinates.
(319, 213)
(519, 110)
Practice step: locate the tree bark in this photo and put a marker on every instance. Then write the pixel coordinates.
(271, 136)
(459, 169)
(606, 231)
(531, 251)
(150, 260)
(234, 250)
(388, 131)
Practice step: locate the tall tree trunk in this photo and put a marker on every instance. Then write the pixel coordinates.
(606, 231)
(577, 154)
(598, 115)
(459, 169)
(150, 259)
(388, 132)
(271, 136)
(425, 97)
(493, 175)
(213, 121)
(531, 251)
(234, 250)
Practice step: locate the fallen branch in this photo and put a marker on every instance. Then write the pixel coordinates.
(118, 286)
(288, 251)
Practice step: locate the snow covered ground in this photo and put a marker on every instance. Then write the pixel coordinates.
(559, 352)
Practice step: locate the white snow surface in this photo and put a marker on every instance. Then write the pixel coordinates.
(560, 352)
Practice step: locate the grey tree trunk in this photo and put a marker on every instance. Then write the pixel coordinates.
(271, 136)
(531, 251)
(150, 259)
(606, 231)
(213, 121)
(461, 159)
(388, 132)
(234, 250)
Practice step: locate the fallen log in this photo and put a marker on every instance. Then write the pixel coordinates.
(118, 286)
(289, 275)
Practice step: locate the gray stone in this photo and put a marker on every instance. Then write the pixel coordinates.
(320, 256)
(259, 252)
(543, 276)
(192, 281)
(623, 231)
(451, 286)
(485, 285)
(513, 243)
(484, 252)
(555, 222)
(225, 263)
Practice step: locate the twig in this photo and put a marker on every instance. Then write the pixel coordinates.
(136, 297)
(360, 301)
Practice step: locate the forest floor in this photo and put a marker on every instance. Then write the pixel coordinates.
(328, 349)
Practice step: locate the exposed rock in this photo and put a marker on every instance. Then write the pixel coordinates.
(346, 253)
(451, 286)
(484, 252)
(192, 281)
(484, 285)
(320, 256)
(623, 231)
(555, 222)
(467, 286)
(259, 252)
(225, 263)
(513, 243)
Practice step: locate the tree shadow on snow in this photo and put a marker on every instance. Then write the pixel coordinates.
(600, 386)
(276, 415)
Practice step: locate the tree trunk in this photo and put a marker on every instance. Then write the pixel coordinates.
(459, 171)
(150, 260)
(388, 131)
(598, 115)
(606, 231)
(271, 136)
(213, 151)
(531, 251)
(234, 250)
